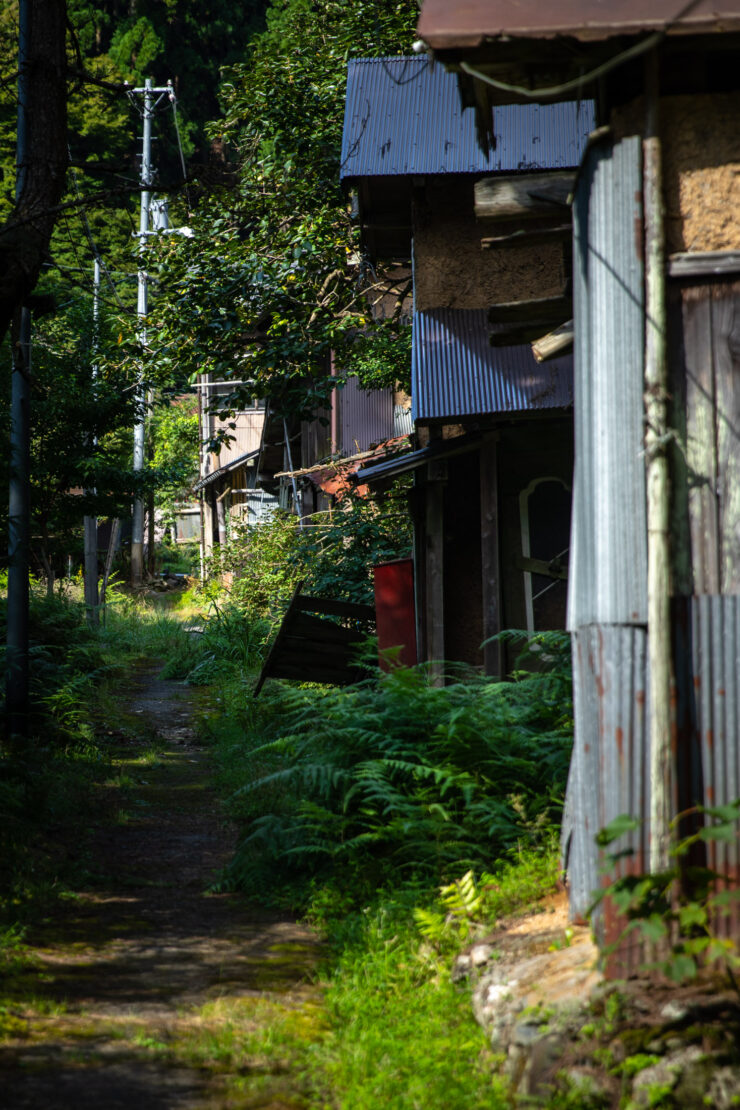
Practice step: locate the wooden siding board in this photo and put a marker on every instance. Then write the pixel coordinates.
(725, 307)
(701, 454)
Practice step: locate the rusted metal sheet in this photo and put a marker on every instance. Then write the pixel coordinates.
(456, 372)
(446, 26)
(608, 580)
(708, 663)
(366, 417)
(609, 770)
(403, 117)
(610, 756)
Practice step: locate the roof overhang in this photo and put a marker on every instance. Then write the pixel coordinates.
(227, 468)
(497, 24)
(508, 53)
(404, 464)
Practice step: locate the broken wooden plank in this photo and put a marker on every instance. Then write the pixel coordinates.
(527, 235)
(555, 343)
(531, 194)
(490, 563)
(314, 649)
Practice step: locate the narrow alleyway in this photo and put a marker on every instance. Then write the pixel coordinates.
(145, 990)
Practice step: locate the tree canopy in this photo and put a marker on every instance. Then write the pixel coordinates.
(273, 279)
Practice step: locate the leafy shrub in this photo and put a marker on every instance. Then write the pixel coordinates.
(397, 775)
(333, 555)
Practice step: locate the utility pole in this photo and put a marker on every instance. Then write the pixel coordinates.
(146, 179)
(17, 673)
(91, 522)
(158, 210)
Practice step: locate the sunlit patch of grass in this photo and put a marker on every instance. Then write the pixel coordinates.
(152, 757)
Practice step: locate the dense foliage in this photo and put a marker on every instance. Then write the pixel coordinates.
(273, 280)
(397, 776)
(332, 555)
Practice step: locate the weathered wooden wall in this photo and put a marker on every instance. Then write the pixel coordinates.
(705, 367)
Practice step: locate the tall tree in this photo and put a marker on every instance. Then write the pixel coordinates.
(25, 235)
(273, 279)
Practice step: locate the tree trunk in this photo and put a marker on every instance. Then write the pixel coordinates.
(24, 238)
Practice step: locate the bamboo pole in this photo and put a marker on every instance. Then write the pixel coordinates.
(658, 478)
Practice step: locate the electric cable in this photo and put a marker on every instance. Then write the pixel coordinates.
(577, 82)
(173, 100)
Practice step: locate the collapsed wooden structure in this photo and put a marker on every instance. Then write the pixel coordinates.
(318, 641)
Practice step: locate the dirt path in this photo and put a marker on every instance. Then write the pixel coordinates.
(147, 992)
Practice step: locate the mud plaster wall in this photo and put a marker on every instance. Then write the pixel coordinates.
(451, 270)
(701, 167)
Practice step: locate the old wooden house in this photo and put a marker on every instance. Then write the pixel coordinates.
(227, 487)
(654, 605)
(488, 236)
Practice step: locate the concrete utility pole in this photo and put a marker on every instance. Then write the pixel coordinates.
(658, 478)
(158, 209)
(19, 509)
(91, 522)
(137, 527)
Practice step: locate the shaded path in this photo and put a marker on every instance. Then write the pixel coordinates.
(148, 992)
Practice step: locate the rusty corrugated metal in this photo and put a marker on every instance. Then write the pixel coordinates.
(607, 583)
(456, 372)
(608, 772)
(708, 766)
(366, 417)
(446, 26)
(608, 579)
(403, 116)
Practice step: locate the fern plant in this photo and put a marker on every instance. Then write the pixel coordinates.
(397, 775)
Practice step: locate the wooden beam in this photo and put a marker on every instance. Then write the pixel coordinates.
(527, 235)
(523, 196)
(703, 263)
(555, 343)
(435, 594)
(542, 310)
(490, 568)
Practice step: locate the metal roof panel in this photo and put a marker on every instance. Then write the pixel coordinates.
(403, 117)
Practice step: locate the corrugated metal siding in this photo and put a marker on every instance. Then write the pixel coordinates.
(456, 372)
(366, 418)
(403, 116)
(607, 583)
(609, 768)
(403, 424)
(714, 688)
(608, 579)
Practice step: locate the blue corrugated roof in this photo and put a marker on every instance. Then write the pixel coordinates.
(403, 116)
(455, 371)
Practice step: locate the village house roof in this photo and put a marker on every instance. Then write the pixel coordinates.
(403, 117)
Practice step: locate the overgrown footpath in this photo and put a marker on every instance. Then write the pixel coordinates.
(151, 960)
